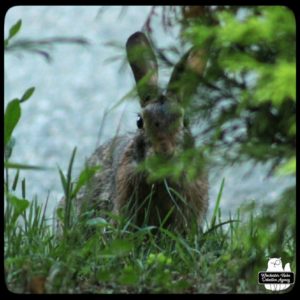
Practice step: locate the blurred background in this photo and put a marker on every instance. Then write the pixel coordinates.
(82, 82)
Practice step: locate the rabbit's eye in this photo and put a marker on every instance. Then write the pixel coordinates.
(139, 122)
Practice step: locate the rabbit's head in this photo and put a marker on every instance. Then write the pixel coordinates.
(162, 118)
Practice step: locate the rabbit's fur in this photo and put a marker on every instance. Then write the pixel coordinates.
(124, 189)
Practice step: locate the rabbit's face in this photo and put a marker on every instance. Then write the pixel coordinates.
(162, 124)
(161, 121)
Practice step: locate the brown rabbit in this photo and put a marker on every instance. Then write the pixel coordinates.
(122, 187)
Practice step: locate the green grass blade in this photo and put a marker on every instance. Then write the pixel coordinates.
(11, 165)
(23, 188)
(14, 186)
(216, 209)
(69, 174)
(213, 228)
(63, 180)
(84, 177)
(67, 182)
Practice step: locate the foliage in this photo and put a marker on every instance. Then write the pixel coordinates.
(224, 258)
(40, 46)
(247, 94)
(227, 255)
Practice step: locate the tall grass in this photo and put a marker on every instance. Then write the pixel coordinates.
(95, 255)
(225, 256)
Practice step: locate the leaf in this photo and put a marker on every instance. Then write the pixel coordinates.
(63, 180)
(97, 222)
(15, 29)
(159, 258)
(219, 225)
(11, 165)
(60, 213)
(69, 174)
(27, 94)
(11, 118)
(104, 275)
(129, 276)
(14, 186)
(20, 205)
(288, 168)
(23, 188)
(84, 177)
(118, 248)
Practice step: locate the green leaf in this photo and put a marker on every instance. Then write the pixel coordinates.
(11, 118)
(288, 168)
(130, 276)
(118, 248)
(60, 213)
(159, 258)
(11, 165)
(97, 222)
(15, 29)
(27, 94)
(69, 185)
(63, 180)
(24, 188)
(14, 186)
(19, 205)
(104, 275)
(84, 177)
(69, 174)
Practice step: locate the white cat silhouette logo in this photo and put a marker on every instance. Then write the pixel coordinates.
(275, 265)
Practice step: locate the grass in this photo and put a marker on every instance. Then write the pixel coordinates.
(225, 257)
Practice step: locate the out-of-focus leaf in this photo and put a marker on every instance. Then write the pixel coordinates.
(12, 165)
(104, 275)
(276, 83)
(11, 118)
(129, 276)
(27, 94)
(98, 221)
(60, 213)
(15, 181)
(63, 180)
(20, 205)
(118, 248)
(84, 177)
(23, 186)
(289, 168)
(15, 29)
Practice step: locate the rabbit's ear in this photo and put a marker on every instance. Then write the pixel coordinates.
(144, 66)
(186, 74)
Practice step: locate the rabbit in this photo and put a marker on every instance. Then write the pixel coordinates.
(121, 186)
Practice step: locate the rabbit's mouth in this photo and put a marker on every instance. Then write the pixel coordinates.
(165, 149)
